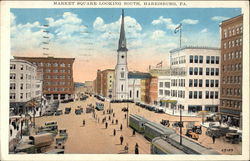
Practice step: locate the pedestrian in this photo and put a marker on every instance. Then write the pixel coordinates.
(121, 139)
(136, 148)
(112, 121)
(10, 132)
(116, 122)
(213, 137)
(220, 122)
(126, 148)
(83, 123)
(106, 125)
(103, 112)
(121, 127)
(109, 118)
(133, 132)
(113, 114)
(125, 116)
(114, 132)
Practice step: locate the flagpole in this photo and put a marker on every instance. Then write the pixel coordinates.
(180, 34)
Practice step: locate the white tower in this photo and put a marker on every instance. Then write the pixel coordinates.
(121, 69)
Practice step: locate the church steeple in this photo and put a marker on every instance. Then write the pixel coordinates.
(122, 46)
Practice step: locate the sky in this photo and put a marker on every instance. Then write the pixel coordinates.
(90, 35)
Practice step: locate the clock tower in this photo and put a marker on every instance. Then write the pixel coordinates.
(121, 69)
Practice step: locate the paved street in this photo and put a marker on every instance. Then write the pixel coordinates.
(95, 138)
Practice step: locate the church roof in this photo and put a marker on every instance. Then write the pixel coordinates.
(122, 45)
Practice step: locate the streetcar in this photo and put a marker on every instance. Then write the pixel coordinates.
(137, 123)
(99, 106)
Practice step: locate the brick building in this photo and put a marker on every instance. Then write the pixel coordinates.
(231, 73)
(153, 90)
(57, 76)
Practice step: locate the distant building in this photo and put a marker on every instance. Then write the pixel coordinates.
(89, 85)
(145, 90)
(58, 81)
(120, 90)
(134, 85)
(107, 82)
(78, 84)
(195, 77)
(25, 85)
(231, 73)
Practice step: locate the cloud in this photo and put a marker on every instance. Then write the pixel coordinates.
(219, 18)
(190, 21)
(165, 21)
(203, 30)
(158, 34)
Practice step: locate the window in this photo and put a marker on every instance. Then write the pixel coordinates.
(12, 96)
(167, 93)
(190, 94)
(207, 94)
(122, 74)
(137, 94)
(216, 83)
(207, 83)
(195, 94)
(240, 41)
(12, 66)
(229, 44)
(207, 71)
(161, 84)
(21, 86)
(190, 82)
(225, 45)
(196, 59)
(161, 92)
(201, 59)
(195, 82)
(217, 61)
(212, 59)
(225, 34)
(217, 71)
(122, 87)
(212, 83)
(191, 59)
(55, 65)
(12, 76)
(200, 82)
(216, 95)
(225, 57)
(200, 94)
(21, 67)
(195, 71)
(12, 86)
(62, 65)
(167, 84)
(21, 95)
(208, 60)
(211, 94)
(212, 71)
(190, 71)
(200, 71)
(69, 65)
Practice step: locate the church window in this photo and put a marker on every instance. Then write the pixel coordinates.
(130, 94)
(122, 74)
(137, 94)
(122, 87)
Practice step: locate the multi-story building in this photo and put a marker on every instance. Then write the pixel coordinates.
(99, 82)
(89, 85)
(145, 90)
(134, 84)
(25, 85)
(107, 82)
(231, 73)
(164, 90)
(153, 90)
(195, 77)
(57, 76)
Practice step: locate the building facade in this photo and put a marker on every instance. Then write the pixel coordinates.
(164, 90)
(153, 90)
(58, 81)
(145, 90)
(195, 78)
(121, 69)
(25, 85)
(134, 85)
(231, 73)
(107, 82)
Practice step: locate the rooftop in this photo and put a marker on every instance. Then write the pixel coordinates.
(49, 57)
(138, 75)
(193, 47)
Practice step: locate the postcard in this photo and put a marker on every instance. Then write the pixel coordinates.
(124, 80)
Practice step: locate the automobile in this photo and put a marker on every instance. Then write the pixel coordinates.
(58, 112)
(165, 122)
(177, 124)
(124, 109)
(233, 138)
(89, 110)
(159, 111)
(67, 110)
(191, 134)
(48, 113)
(197, 129)
(78, 112)
(99, 106)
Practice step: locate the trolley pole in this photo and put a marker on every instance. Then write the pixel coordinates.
(181, 125)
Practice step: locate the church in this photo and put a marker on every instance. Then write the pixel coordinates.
(120, 90)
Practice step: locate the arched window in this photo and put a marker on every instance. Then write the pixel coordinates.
(137, 94)
(130, 94)
(122, 87)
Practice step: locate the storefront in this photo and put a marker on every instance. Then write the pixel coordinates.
(211, 108)
(194, 108)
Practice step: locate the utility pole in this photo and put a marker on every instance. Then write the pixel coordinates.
(181, 124)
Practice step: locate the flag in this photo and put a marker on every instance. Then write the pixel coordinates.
(177, 28)
(159, 64)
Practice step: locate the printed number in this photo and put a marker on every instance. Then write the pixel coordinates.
(227, 150)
